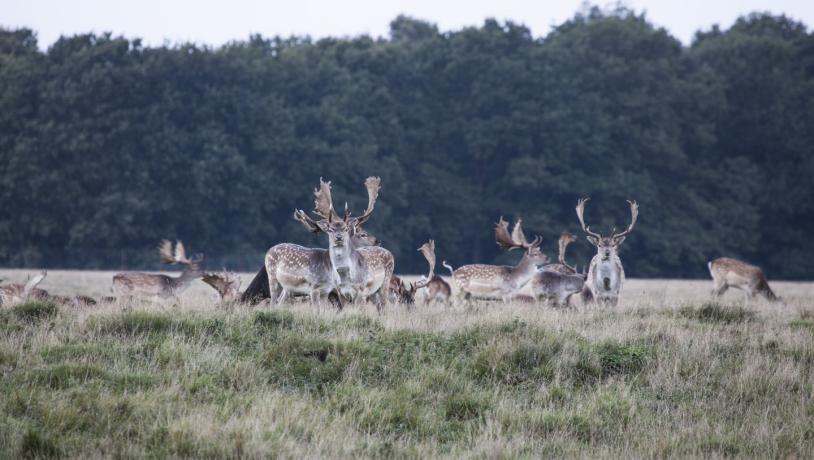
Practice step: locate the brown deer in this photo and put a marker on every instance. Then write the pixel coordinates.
(605, 274)
(157, 285)
(343, 269)
(17, 293)
(497, 281)
(437, 289)
(727, 273)
(226, 284)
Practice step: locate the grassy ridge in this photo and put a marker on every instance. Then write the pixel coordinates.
(230, 382)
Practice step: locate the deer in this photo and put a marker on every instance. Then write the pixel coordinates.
(158, 285)
(556, 287)
(340, 271)
(566, 238)
(605, 273)
(437, 289)
(727, 272)
(498, 281)
(17, 293)
(226, 284)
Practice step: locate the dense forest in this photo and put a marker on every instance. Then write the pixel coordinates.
(108, 146)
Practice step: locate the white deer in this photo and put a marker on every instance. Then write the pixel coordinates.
(605, 274)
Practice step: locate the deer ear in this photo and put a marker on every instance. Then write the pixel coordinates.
(594, 240)
(619, 240)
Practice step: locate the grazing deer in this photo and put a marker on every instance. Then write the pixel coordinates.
(566, 238)
(605, 274)
(497, 281)
(728, 273)
(17, 293)
(401, 292)
(225, 283)
(162, 286)
(342, 269)
(437, 289)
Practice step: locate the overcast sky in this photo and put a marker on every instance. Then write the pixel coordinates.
(217, 22)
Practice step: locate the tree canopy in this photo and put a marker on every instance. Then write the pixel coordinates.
(108, 146)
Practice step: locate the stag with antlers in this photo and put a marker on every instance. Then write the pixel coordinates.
(157, 285)
(497, 281)
(17, 293)
(350, 267)
(227, 284)
(437, 289)
(605, 274)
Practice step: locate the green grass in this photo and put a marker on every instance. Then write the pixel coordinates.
(237, 383)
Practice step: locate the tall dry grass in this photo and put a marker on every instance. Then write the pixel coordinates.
(664, 374)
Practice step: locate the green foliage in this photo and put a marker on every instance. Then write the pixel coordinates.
(35, 311)
(227, 141)
(717, 313)
(35, 445)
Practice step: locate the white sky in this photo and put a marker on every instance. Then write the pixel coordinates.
(216, 22)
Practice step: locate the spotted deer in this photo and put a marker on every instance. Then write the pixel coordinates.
(158, 285)
(343, 270)
(226, 284)
(605, 274)
(437, 289)
(17, 293)
(733, 273)
(498, 281)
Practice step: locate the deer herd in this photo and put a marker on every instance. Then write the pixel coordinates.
(355, 268)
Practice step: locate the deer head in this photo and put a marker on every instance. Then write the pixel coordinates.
(607, 246)
(340, 230)
(517, 240)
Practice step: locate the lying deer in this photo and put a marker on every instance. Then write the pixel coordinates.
(605, 274)
(728, 273)
(226, 284)
(497, 281)
(17, 293)
(162, 286)
(437, 289)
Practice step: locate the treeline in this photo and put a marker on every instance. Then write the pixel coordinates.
(108, 146)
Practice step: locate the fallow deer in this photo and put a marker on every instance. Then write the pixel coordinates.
(158, 285)
(437, 289)
(17, 293)
(497, 281)
(226, 284)
(605, 274)
(555, 287)
(728, 273)
(342, 269)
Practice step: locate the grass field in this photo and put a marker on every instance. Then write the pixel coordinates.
(664, 374)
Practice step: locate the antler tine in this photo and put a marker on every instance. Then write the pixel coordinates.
(311, 225)
(502, 237)
(580, 212)
(517, 234)
(634, 214)
(323, 203)
(536, 242)
(165, 252)
(180, 253)
(373, 185)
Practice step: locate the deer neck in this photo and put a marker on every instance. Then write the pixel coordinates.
(189, 274)
(523, 271)
(346, 260)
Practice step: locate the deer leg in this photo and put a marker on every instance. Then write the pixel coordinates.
(335, 300)
(719, 289)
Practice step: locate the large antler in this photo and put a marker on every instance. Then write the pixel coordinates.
(323, 203)
(372, 184)
(428, 250)
(634, 214)
(165, 252)
(580, 212)
(310, 224)
(517, 239)
(566, 238)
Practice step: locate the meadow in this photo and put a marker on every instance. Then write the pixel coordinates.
(667, 373)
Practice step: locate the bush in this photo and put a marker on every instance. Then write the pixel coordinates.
(716, 313)
(35, 311)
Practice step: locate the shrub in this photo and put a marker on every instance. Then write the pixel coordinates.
(716, 313)
(35, 311)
